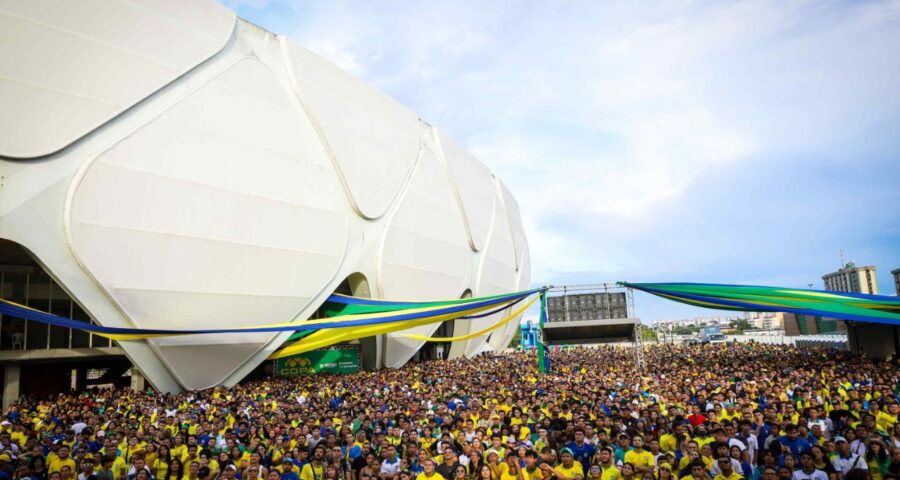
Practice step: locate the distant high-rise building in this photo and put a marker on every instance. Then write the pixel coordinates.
(852, 279)
(765, 320)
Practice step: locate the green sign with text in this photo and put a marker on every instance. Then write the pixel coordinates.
(335, 360)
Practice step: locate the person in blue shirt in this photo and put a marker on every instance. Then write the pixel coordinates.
(793, 441)
(288, 472)
(581, 450)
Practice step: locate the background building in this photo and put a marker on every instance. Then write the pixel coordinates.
(852, 279)
(766, 320)
(169, 165)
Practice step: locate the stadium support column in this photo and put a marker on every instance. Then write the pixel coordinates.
(12, 374)
(137, 380)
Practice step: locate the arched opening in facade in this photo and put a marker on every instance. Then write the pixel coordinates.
(449, 328)
(43, 359)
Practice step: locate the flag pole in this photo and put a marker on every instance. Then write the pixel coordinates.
(541, 354)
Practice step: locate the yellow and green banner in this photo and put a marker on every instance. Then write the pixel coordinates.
(330, 361)
(749, 298)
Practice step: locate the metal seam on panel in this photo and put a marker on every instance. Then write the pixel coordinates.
(56, 90)
(295, 87)
(295, 84)
(512, 233)
(456, 193)
(389, 217)
(89, 39)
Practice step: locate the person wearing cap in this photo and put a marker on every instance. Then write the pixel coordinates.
(230, 472)
(494, 464)
(845, 459)
(542, 440)
(87, 468)
(568, 469)
(287, 470)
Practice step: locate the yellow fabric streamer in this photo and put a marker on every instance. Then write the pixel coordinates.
(462, 313)
(330, 336)
(423, 338)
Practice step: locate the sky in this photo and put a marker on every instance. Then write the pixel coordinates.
(730, 142)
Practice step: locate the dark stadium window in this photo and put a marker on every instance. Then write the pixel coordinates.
(80, 338)
(38, 294)
(12, 329)
(60, 305)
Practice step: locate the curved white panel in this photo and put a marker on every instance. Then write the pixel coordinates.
(426, 252)
(475, 185)
(224, 211)
(68, 67)
(219, 201)
(497, 272)
(515, 221)
(374, 139)
(523, 282)
(523, 260)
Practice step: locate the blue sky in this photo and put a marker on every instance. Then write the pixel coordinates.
(679, 141)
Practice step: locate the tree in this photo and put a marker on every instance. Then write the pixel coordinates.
(648, 333)
(741, 325)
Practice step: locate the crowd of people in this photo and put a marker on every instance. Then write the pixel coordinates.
(720, 412)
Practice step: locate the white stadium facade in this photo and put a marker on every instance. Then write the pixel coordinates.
(166, 164)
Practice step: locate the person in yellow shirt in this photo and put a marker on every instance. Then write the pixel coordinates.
(193, 472)
(569, 469)
(513, 471)
(495, 465)
(531, 470)
(314, 470)
(120, 467)
(428, 472)
(160, 463)
(179, 449)
(642, 460)
(608, 469)
(727, 471)
(670, 442)
(61, 459)
(886, 420)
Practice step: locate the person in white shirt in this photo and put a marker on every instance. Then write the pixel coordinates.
(808, 470)
(846, 460)
(390, 467)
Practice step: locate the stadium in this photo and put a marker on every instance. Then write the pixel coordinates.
(169, 165)
(224, 258)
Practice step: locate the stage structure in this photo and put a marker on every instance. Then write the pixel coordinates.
(595, 313)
